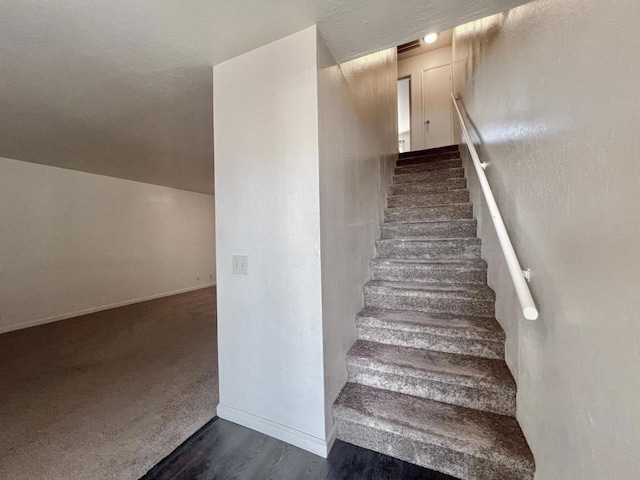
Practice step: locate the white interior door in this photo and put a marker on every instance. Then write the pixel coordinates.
(436, 107)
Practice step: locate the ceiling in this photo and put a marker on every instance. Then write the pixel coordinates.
(124, 88)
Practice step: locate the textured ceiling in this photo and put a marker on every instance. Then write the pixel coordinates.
(123, 88)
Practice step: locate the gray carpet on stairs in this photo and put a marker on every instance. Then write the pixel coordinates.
(427, 382)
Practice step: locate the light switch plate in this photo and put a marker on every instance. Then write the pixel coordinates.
(240, 265)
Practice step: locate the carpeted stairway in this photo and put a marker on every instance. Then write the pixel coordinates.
(427, 382)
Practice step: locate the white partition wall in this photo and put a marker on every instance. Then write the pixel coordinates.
(267, 193)
(304, 151)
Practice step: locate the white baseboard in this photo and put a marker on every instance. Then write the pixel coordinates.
(101, 308)
(310, 443)
(331, 438)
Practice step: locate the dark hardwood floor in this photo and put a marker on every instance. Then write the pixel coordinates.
(222, 450)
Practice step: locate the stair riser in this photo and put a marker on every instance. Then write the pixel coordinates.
(429, 166)
(418, 159)
(436, 302)
(427, 200)
(462, 229)
(429, 341)
(435, 457)
(434, 176)
(428, 273)
(434, 250)
(430, 214)
(478, 398)
(429, 151)
(435, 187)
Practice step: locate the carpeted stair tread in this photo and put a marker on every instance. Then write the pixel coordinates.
(428, 159)
(464, 335)
(431, 223)
(464, 442)
(430, 165)
(471, 262)
(429, 248)
(429, 176)
(443, 185)
(457, 299)
(446, 270)
(428, 199)
(481, 328)
(468, 290)
(464, 228)
(474, 382)
(452, 211)
(445, 367)
(429, 151)
(411, 158)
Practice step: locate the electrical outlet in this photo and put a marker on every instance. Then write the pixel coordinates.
(240, 264)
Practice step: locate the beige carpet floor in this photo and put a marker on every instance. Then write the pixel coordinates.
(107, 395)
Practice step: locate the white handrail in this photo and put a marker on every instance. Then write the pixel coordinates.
(518, 276)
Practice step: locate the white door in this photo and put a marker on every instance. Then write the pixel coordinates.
(437, 116)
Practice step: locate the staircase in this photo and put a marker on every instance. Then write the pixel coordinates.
(427, 382)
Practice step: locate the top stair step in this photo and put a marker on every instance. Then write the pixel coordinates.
(414, 158)
(429, 166)
(429, 151)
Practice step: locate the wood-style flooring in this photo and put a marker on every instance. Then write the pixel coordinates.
(222, 450)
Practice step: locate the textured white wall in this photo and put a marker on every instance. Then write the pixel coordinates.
(267, 204)
(74, 242)
(552, 88)
(357, 103)
(413, 67)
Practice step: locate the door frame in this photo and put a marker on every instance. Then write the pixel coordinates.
(409, 77)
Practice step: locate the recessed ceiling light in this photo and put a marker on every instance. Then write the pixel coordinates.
(431, 38)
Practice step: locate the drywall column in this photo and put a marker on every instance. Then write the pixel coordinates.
(267, 204)
(552, 89)
(357, 104)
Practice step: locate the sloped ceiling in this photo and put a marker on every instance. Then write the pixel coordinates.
(124, 88)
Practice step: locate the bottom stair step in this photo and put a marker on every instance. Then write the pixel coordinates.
(468, 444)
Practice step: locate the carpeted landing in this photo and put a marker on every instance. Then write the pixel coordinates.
(107, 395)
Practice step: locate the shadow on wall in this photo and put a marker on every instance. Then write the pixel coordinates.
(491, 26)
